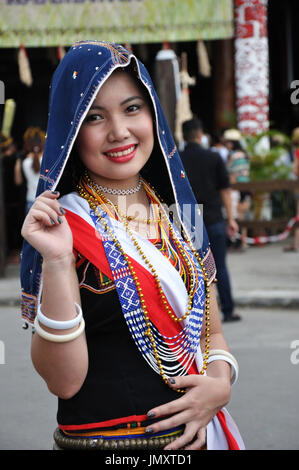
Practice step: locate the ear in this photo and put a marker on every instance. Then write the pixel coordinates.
(198, 135)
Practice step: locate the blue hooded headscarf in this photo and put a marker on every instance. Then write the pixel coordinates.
(75, 84)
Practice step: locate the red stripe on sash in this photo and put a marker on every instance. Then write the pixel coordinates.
(88, 243)
(232, 443)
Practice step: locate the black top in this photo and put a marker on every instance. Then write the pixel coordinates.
(207, 175)
(119, 382)
(11, 192)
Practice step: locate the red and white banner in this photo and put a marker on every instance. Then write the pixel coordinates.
(261, 240)
(252, 66)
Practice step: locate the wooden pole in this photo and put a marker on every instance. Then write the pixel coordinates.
(2, 224)
(224, 84)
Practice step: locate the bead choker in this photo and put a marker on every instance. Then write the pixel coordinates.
(119, 192)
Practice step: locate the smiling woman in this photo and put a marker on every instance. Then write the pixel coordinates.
(116, 138)
(127, 328)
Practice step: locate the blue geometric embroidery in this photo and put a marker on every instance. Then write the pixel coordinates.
(186, 343)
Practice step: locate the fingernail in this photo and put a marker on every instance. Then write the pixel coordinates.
(52, 221)
(55, 192)
(61, 210)
(59, 220)
(149, 430)
(150, 414)
(171, 380)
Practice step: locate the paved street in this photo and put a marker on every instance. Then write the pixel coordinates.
(26, 407)
(265, 400)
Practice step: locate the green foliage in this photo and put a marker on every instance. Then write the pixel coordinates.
(266, 151)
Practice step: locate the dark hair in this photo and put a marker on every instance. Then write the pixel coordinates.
(73, 171)
(236, 145)
(5, 142)
(35, 163)
(190, 129)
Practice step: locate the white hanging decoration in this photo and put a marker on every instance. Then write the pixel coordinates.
(24, 67)
(183, 108)
(203, 59)
(8, 116)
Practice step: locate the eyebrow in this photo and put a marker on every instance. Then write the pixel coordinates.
(127, 100)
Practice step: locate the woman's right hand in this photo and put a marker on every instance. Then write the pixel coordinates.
(46, 229)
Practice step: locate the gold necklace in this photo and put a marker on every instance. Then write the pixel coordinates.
(132, 218)
(93, 202)
(147, 262)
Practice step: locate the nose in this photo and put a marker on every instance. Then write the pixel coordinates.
(118, 129)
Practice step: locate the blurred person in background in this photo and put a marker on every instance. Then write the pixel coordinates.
(28, 168)
(238, 165)
(218, 145)
(13, 199)
(238, 168)
(209, 180)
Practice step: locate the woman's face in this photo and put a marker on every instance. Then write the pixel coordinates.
(116, 138)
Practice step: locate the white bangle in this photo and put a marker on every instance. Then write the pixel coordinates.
(58, 338)
(222, 355)
(59, 324)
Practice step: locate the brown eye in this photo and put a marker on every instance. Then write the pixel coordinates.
(133, 108)
(93, 118)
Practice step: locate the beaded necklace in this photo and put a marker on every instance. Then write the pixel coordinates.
(170, 245)
(167, 355)
(119, 192)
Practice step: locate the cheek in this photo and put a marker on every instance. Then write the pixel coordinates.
(80, 141)
(87, 141)
(147, 131)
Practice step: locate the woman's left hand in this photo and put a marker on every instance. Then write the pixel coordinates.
(203, 398)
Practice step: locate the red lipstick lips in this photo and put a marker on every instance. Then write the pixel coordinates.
(122, 154)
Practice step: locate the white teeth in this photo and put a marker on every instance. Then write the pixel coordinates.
(121, 154)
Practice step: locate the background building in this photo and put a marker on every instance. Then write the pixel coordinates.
(43, 26)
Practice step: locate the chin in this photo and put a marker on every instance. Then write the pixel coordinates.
(118, 172)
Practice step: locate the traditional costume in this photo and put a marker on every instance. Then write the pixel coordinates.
(145, 301)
